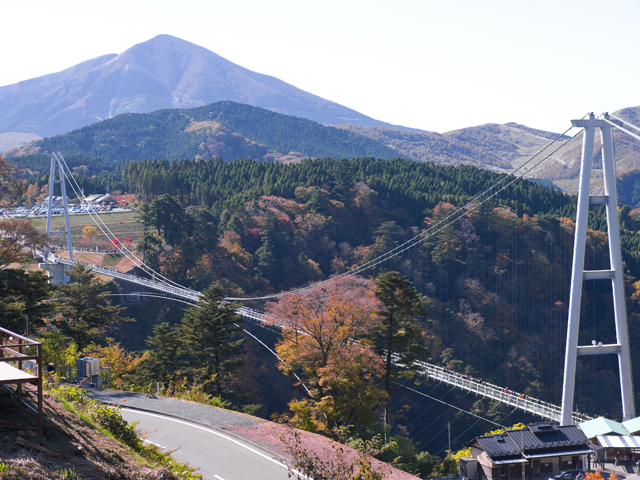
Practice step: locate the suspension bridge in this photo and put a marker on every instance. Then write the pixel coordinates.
(563, 414)
(435, 372)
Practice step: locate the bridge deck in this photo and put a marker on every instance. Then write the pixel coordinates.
(479, 387)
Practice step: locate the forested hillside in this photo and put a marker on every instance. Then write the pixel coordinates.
(225, 129)
(497, 280)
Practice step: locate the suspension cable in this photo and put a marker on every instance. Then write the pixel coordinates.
(97, 220)
(121, 247)
(463, 211)
(449, 405)
(624, 121)
(637, 137)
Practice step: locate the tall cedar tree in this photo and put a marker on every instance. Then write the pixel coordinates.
(168, 216)
(161, 361)
(85, 310)
(22, 296)
(210, 343)
(398, 333)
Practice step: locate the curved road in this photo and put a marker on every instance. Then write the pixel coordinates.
(218, 456)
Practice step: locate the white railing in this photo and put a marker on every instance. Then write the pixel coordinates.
(465, 382)
(184, 293)
(500, 394)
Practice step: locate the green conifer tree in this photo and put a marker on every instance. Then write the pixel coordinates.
(161, 360)
(209, 341)
(398, 333)
(85, 308)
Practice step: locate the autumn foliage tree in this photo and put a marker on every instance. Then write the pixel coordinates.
(597, 475)
(18, 239)
(90, 234)
(10, 187)
(337, 375)
(120, 362)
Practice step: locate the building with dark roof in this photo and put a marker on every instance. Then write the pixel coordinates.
(542, 449)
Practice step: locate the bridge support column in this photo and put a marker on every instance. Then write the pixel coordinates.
(56, 164)
(57, 272)
(615, 274)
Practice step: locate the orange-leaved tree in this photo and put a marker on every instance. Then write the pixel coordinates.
(320, 352)
(598, 476)
(120, 361)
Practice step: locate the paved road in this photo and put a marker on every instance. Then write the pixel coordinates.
(218, 456)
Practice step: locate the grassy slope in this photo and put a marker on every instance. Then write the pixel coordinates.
(75, 442)
(503, 147)
(492, 146)
(122, 224)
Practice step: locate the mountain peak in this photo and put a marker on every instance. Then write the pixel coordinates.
(162, 72)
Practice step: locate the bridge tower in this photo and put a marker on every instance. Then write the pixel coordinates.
(614, 274)
(58, 270)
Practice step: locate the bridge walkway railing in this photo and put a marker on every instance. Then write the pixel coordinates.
(435, 372)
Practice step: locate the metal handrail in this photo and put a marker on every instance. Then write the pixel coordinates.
(479, 387)
(15, 335)
(19, 357)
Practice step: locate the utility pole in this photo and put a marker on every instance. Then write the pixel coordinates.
(449, 428)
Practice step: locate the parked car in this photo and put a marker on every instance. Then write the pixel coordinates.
(567, 475)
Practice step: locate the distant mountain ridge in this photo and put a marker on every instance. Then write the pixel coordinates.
(164, 72)
(505, 147)
(224, 129)
(491, 146)
(232, 130)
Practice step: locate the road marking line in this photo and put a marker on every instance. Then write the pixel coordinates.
(210, 431)
(218, 477)
(153, 443)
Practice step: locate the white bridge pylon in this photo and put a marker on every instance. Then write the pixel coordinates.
(615, 272)
(57, 165)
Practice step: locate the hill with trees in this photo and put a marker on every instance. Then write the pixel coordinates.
(225, 129)
(491, 289)
(504, 147)
(497, 280)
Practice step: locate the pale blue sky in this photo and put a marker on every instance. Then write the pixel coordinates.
(434, 65)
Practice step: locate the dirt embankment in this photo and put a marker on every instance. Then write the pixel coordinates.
(69, 444)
